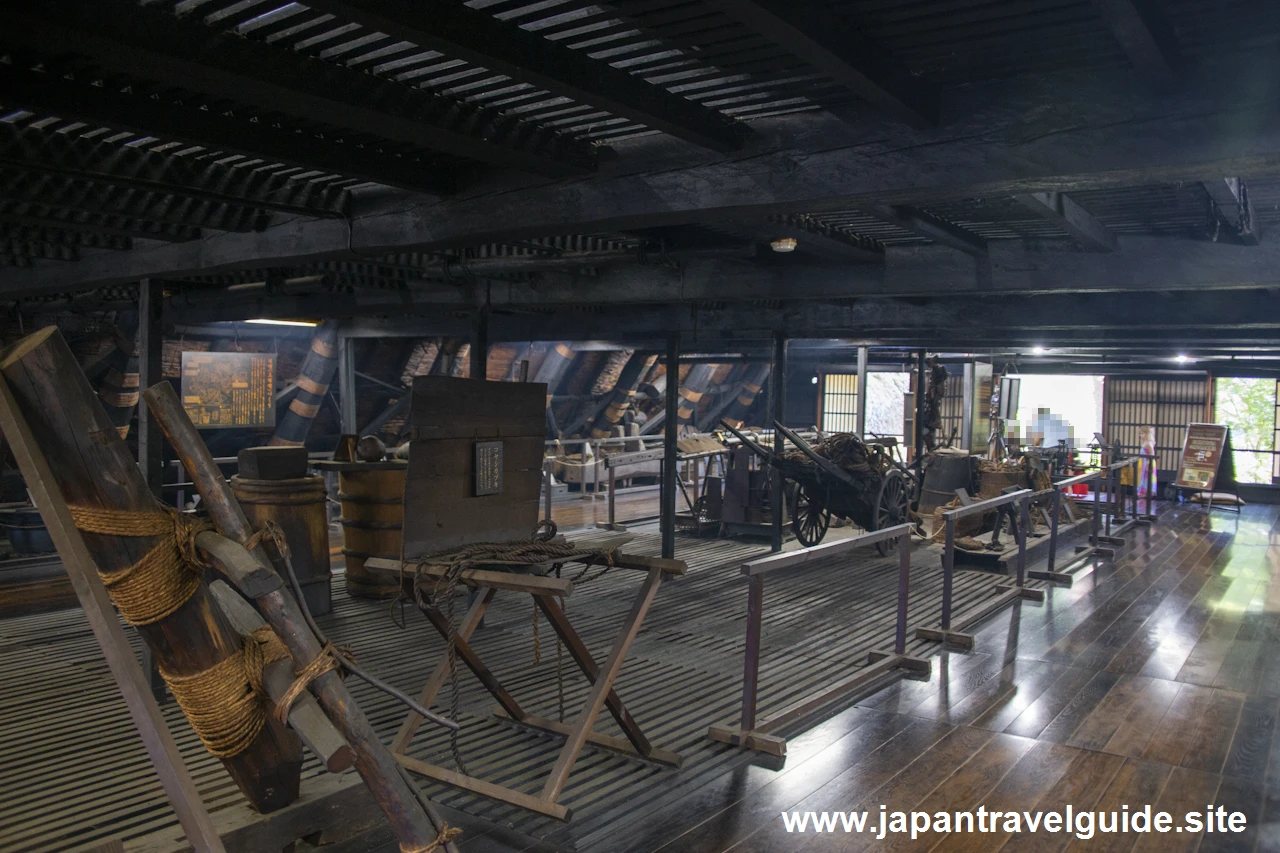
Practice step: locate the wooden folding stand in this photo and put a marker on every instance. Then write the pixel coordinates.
(545, 592)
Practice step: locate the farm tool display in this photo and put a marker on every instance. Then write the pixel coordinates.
(840, 476)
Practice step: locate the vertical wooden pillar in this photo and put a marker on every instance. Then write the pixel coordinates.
(346, 385)
(921, 369)
(150, 438)
(671, 428)
(778, 386)
(150, 371)
(862, 392)
(480, 345)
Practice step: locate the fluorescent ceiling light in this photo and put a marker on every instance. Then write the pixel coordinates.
(1038, 350)
(307, 323)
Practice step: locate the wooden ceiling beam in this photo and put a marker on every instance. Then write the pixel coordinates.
(165, 117)
(198, 176)
(478, 38)
(1063, 211)
(1146, 39)
(1235, 209)
(931, 227)
(91, 225)
(826, 40)
(153, 45)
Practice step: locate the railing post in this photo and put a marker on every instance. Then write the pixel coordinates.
(1024, 527)
(546, 488)
(1097, 511)
(1111, 497)
(1054, 513)
(1151, 487)
(948, 565)
(904, 587)
(751, 662)
(613, 484)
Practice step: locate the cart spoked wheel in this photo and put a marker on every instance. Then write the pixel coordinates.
(809, 518)
(891, 505)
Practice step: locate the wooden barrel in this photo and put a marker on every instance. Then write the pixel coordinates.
(372, 516)
(993, 483)
(298, 506)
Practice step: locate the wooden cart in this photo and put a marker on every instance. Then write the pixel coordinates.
(817, 492)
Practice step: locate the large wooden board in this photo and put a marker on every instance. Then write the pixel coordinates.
(449, 418)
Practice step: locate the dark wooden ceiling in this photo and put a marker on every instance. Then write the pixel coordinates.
(383, 147)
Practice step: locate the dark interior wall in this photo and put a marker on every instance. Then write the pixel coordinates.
(802, 397)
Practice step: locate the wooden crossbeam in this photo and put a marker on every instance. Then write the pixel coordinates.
(476, 36)
(828, 41)
(1146, 39)
(1062, 210)
(152, 44)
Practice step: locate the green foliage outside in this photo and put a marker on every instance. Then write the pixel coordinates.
(1248, 406)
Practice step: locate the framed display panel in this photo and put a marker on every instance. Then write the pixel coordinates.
(223, 390)
(475, 463)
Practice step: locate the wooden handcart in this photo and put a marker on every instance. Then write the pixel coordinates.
(823, 489)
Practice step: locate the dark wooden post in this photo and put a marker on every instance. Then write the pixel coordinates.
(348, 395)
(150, 439)
(670, 430)
(480, 345)
(921, 368)
(95, 469)
(778, 386)
(150, 371)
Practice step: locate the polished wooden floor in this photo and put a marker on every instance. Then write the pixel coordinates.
(1154, 679)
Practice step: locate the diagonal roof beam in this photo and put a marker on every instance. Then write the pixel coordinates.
(477, 37)
(931, 227)
(1062, 210)
(1235, 209)
(109, 106)
(1146, 38)
(71, 194)
(68, 155)
(827, 41)
(150, 44)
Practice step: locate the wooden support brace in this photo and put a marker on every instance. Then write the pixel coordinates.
(951, 638)
(305, 717)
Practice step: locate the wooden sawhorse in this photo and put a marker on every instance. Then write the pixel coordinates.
(579, 732)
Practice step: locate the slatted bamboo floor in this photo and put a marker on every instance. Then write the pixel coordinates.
(72, 770)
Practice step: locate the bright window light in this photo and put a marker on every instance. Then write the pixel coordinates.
(1038, 350)
(283, 322)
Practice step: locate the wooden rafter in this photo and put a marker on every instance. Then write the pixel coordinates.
(477, 37)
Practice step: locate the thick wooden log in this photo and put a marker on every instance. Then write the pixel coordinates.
(415, 826)
(305, 717)
(96, 469)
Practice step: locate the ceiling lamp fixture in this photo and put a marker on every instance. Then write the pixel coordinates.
(1038, 350)
(784, 244)
(1182, 358)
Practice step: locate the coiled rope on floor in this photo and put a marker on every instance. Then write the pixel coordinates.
(226, 703)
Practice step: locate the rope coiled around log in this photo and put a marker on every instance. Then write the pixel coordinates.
(226, 703)
(166, 577)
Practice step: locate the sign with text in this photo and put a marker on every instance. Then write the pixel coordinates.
(229, 389)
(488, 468)
(1203, 449)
